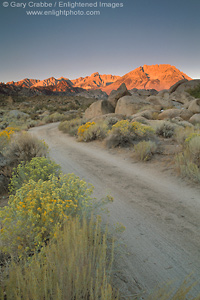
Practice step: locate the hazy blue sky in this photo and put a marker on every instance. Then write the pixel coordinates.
(114, 42)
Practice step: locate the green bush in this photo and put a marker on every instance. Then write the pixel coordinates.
(71, 126)
(38, 208)
(195, 92)
(75, 265)
(145, 150)
(55, 117)
(125, 133)
(38, 168)
(23, 147)
(21, 122)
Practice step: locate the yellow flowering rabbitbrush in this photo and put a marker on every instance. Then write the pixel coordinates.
(38, 168)
(5, 136)
(125, 127)
(38, 208)
(82, 129)
(125, 133)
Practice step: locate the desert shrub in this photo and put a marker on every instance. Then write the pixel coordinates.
(193, 146)
(38, 168)
(111, 121)
(195, 92)
(5, 136)
(38, 208)
(92, 131)
(181, 134)
(73, 106)
(126, 133)
(75, 265)
(71, 126)
(188, 160)
(155, 115)
(22, 122)
(23, 147)
(55, 117)
(145, 150)
(83, 128)
(165, 130)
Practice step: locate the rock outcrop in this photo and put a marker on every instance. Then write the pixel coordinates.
(115, 95)
(183, 87)
(169, 114)
(195, 119)
(176, 85)
(101, 107)
(194, 106)
(96, 94)
(129, 105)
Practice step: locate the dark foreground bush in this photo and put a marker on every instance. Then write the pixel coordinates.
(23, 147)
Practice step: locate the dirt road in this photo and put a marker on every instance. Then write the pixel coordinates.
(161, 213)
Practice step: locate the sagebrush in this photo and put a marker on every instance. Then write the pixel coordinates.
(23, 147)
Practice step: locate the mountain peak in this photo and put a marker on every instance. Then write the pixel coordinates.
(95, 74)
(157, 77)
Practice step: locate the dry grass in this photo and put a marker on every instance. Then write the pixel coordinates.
(144, 150)
(182, 133)
(75, 265)
(170, 293)
(188, 161)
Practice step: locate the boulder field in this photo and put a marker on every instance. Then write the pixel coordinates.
(175, 102)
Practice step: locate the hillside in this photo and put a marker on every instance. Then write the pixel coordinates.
(156, 77)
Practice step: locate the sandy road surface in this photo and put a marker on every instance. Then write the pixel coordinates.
(161, 213)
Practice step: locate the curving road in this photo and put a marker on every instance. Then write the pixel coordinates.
(161, 213)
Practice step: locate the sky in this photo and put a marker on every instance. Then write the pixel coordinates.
(114, 41)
